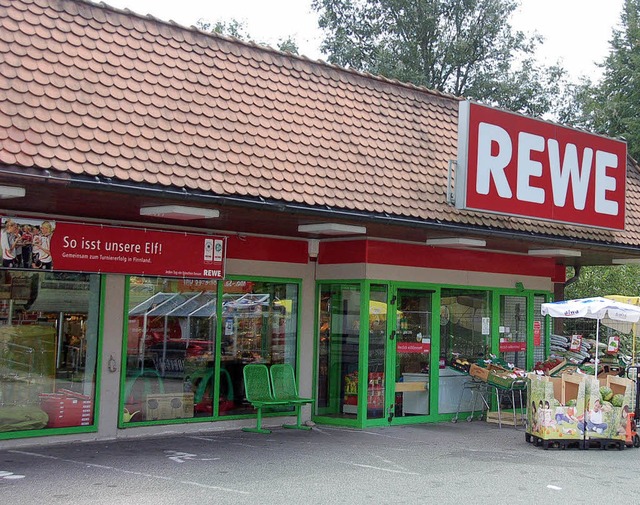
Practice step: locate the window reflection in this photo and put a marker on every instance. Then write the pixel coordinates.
(172, 342)
(48, 349)
(464, 324)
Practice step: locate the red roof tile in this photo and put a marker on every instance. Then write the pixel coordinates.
(85, 88)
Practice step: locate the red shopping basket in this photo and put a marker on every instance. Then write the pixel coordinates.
(67, 408)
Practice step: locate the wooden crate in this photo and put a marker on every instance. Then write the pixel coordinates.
(479, 372)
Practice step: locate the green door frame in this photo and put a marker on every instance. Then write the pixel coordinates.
(390, 354)
(361, 420)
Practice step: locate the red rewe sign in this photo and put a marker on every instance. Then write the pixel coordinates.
(64, 246)
(512, 164)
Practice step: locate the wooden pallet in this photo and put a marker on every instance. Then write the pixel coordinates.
(507, 418)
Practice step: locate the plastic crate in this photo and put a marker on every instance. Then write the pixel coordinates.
(67, 408)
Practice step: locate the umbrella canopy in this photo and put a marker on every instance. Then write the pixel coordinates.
(625, 327)
(593, 308)
(597, 308)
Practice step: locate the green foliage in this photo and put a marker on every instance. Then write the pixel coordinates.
(238, 30)
(605, 280)
(463, 47)
(611, 106)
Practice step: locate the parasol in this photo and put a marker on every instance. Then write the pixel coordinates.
(625, 327)
(597, 308)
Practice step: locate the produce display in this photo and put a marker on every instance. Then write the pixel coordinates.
(548, 365)
(496, 371)
(578, 408)
(460, 363)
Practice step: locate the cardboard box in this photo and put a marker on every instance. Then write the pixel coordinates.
(547, 418)
(603, 421)
(168, 406)
(572, 387)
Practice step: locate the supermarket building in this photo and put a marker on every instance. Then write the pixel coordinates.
(177, 204)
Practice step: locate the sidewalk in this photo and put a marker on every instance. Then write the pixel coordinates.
(463, 463)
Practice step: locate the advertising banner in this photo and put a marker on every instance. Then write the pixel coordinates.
(516, 165)
(65, 246)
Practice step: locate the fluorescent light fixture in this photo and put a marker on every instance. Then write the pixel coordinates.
(179, 212)
(456, 242)
(12, 192)
(625, 261)
(553, 253)
(332, 229)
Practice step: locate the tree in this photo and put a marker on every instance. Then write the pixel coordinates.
(605, 280)
(610, 107)
(463, 47)
(238, 30)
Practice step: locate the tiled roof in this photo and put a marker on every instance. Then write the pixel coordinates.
(86, 89)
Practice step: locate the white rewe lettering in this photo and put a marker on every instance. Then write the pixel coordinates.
(605, 183)
(528, 168)
(517, 166)
(490, 166)
(570, 169)
(493, 162)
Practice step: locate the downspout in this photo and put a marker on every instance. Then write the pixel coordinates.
(576, 277)
(559, 295)
(559, 287)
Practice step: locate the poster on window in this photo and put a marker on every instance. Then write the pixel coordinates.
(510, 346)
(64, 246)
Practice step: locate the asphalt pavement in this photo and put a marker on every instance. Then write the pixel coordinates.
(464, 463)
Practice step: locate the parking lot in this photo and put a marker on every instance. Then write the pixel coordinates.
(467, 462)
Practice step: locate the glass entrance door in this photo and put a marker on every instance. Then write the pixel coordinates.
(513, 329)
(412, 354)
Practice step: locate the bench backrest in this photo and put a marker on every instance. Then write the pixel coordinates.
(283, 381)
(257, 387)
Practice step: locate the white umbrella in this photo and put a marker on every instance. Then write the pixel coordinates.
(597, 308)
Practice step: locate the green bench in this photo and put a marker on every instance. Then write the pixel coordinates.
(266, 388)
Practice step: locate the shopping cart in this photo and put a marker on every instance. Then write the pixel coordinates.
(479, 391)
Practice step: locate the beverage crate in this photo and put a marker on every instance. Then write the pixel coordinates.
(67, 408)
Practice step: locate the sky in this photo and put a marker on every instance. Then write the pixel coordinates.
(576, 32)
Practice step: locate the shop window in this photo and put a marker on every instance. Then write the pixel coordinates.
(513, 329)
(172, 343)
(170, 349)
(48, 349)
(464, 324)
(338, 348)
(259, 325)
(377, 351)
(539, 329)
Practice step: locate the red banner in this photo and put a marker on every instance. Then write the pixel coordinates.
(413, 347)
(63, 246)
(513, 346)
